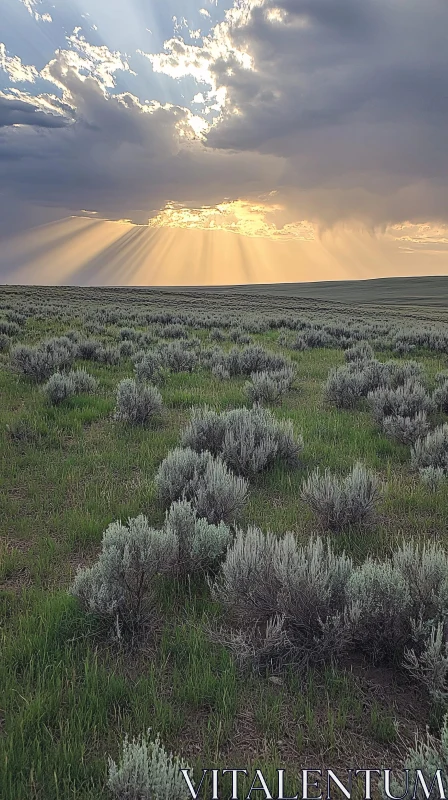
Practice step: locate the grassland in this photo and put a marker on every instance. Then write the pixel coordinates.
(68, 694)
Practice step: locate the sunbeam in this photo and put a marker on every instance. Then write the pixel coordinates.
(86, 251)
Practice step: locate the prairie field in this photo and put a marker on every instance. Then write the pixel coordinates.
(223, 681)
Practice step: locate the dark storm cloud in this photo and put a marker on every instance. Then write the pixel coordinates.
(20, 112)
(343, 114)
(117, 156)
(353, 95)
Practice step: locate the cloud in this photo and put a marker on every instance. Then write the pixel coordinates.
(31, 6)
(239, 216)
(351, 95)
(14, 68)
(338, 109)
(16, 110)
(113, 153)
(98, 61)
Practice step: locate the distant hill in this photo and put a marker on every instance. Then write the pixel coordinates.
(397, 291)
(423, 298)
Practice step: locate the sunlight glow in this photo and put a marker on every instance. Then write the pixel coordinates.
(238, 216)
(93, 252)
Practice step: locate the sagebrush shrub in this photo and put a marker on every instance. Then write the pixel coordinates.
(88, 349)
(128, 334)
(239, 336)
(217, 335)
(58, 387)
(432, 450)
(148, 366)
(82, 381)
(177, 356)
(344, 387)
(126, 349)
(440, 396)
(398, 373)
(339, 502)
(406, 429)
(205, 430)
(147, 772)
(432, 477)
(249, 440)
(361, 351)
(441, 377)
(299, 591)
(205, 480)
(403, 348)
(406, 400)
(119, 586)
(427, 660)
(425, 570)
(220, 372)
(428, 755)
(136, 402)
(17, 317)
(347, 384)
(173, 332)
(299, 343)
(268, 387)
(5, 343)
(252, 358)
(38, 363)
(9, 328)
(201, 545)
(379, 607)
(106, 354)
(317, 337)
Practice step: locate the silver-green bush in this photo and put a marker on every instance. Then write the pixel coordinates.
(406, 400)
(361, 351)
(66, 384)
(177, 356)
(147, 772)
(205, 480)
(339, 502)
(268, 387)
(58, 387)
(432, 450)
(220, 372)
(427, 661)
(425, 569)
(249, 440)
(440, 396)
(380, 605)
(347, 384)
(38, 363)
(5, 343)
(252, 358)
(299, 590)
(136, 402)
(82, 381)
(148, 366)
(200, 545)
(119, 586)
(406, 429)
(106, 354)
(432, 477)
(428, 755)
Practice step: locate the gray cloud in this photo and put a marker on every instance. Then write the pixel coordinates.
(342, 111)
(352, 95)
(14, 111)
(117, 156)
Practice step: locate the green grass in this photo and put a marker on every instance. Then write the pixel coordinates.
(67, 695)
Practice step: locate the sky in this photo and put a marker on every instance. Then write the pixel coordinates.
(204, 142)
